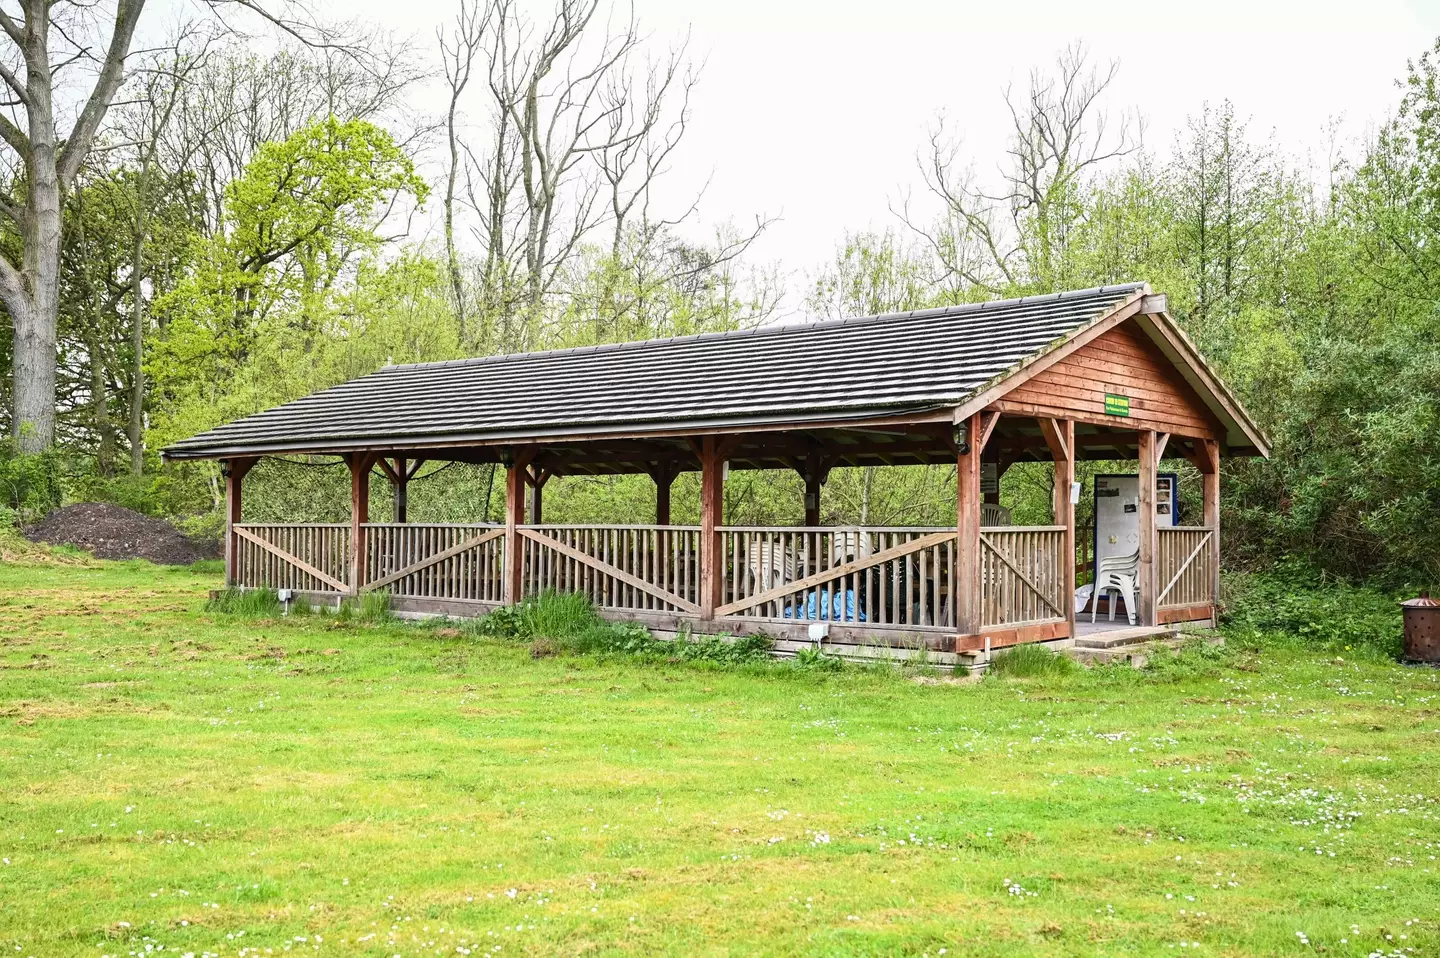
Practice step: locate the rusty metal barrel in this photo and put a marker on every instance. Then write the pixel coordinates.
(1422, 629)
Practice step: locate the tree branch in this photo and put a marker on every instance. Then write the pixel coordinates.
(127, 15)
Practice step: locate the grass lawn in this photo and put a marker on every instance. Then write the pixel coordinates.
(228, 786)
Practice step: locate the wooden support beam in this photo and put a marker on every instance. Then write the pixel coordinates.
(361, 464)
(1210, 481)
(535, 477)
(234, 471)
(712, 507)
(1147, 585)
(814, 469)
(1064, 506)
(402, 489)
(512, 592)
(663, 473)
(987, 426)
(967, 518)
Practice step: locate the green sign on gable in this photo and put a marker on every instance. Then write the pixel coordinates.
(1117, 405)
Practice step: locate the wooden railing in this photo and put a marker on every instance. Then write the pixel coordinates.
(886, 577)
(309, 557)
(1185, 566)
(632, 567)
(1022, 575)
(435, 561)
(883, 577)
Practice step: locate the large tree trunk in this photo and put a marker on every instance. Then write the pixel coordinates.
(34, 369)
(31, 293)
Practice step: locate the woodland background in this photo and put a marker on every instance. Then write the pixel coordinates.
(239, 235)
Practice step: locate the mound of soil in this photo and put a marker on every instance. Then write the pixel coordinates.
(114, 532)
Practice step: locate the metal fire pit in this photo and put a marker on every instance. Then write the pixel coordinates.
(1422, 629)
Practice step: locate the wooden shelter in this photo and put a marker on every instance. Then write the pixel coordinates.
(1093, 374)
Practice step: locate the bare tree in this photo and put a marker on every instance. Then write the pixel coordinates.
(1018, 235)
(161, 85)
(556, 96)
(457, 56)
(49, 44)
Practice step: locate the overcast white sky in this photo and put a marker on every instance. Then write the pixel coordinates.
(813, 111)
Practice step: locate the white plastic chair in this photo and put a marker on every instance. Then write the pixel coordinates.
(771, 565)
(849, 545)
(1116, 574)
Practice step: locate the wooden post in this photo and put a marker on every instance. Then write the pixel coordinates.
(536, 479)
(514, 518)
(360, 465)
(968, 598)
(1062, 447)
(234, 472)
(712, 507)
(1210, 477)
(402, 497)
(664, 475)
(1147, 585)
(815, 470)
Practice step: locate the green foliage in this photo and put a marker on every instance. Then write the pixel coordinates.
(295, 263)
(1031, 662)
(721, 650)
(1195, 658)
(1295, 603)
(815, 659)
(246, 603)
(553, 621)
(30, 486)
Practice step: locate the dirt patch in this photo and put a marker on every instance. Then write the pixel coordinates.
(114, 532)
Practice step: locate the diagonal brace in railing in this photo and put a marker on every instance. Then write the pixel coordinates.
(586, 559)
(294, 560)
(441, 556)
(1009, 561)
(835, 572)
(1183, 566)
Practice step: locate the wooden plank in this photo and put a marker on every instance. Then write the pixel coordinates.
(712, 505)
(1030, 368)
(1064, 513)
(234, 470)
(969, 596)
(1147, 584)
(1187, 613)
(1204, 541)
(1009, 561)
(1165, 328)
(1210, 482)
(1126, 360)
(1017, 635)
(514, 589)
(614, 572)
(1056, 411)
(454, 550)
(834, 572)
(294, 560)
(360, 465)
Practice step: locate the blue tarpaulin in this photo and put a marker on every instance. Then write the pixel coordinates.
(822, 605)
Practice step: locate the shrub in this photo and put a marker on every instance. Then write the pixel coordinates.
(506, 622)
(30, 486)
(1031, 662)
(1294, 602)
